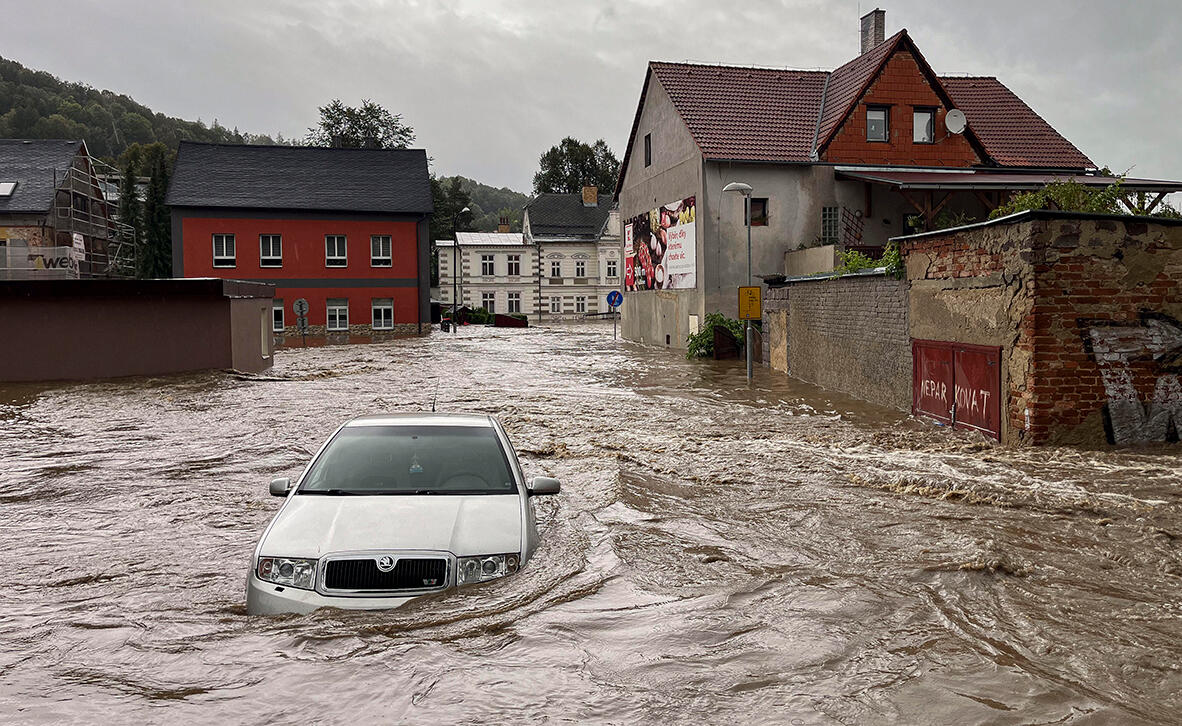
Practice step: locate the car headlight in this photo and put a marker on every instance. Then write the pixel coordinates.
(290, 571)
(485, 567)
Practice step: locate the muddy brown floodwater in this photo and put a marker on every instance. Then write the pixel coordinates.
(720, 554)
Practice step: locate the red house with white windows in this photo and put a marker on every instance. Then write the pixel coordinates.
(344, 229)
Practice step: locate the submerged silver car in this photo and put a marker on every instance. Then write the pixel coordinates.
(395, 507)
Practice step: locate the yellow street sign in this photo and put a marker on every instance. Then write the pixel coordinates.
(750, 303)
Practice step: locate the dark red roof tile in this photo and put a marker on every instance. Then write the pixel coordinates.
(1011, 132)
(756, 114)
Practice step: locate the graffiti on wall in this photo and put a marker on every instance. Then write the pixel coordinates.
(1120, 349)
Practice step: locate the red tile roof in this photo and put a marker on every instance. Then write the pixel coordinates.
(765, 114)
(756, 114)
(1011, 132)
(848, 83)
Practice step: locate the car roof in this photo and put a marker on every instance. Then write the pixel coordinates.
(423, 419)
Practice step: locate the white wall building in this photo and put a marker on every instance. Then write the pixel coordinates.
(497, 272)
(576, 238)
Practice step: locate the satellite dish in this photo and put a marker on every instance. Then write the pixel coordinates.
(954, 121)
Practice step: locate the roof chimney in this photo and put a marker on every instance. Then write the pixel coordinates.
(590, 196)
(873, 29)
(503, 226)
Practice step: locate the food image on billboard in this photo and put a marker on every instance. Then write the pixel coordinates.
(660, 248)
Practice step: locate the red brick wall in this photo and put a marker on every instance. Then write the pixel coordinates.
(902, 86)
(1087, 313)
(1107, 299)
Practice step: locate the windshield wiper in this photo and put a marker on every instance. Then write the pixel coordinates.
(332, 492)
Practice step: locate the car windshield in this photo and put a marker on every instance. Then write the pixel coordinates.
(411, 460)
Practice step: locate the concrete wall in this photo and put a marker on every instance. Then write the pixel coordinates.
(848, 334)
(1085, 308)
(661, 317)
(810, 260)
(82, 329)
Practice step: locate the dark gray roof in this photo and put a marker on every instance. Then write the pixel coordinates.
(563, 215)
(37, 166)
(392, 181)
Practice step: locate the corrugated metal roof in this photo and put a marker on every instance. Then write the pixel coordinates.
(391, 181)
(38, 166)
(999, 180)
(485, 239)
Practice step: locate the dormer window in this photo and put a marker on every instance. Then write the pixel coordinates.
(924, 126)
(878, 123)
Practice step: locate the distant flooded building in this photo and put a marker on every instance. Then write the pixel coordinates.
(344, 229)
(55, 219)
(496, 272)
(579, 253)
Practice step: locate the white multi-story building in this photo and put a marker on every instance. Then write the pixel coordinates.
(576, 238)
(497, 272)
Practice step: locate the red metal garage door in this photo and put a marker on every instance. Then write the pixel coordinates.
(958, 383)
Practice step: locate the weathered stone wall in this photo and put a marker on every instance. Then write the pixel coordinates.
(848, 334)
(976, 286)
(1085, 309)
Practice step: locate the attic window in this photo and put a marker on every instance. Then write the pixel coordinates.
(648, 149)
(877, 123)
(6, 188)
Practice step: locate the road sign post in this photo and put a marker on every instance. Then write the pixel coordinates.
(750, 308)
(301, 310)
(614, 300)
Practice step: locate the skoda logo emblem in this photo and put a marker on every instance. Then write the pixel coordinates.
(386, 563)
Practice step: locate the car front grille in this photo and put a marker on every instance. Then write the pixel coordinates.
(410, 573)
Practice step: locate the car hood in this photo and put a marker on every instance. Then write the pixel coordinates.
(313, 526)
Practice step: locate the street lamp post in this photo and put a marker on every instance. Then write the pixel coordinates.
(745, 190)
(455, 267)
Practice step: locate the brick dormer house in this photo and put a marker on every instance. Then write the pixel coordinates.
(840, 159)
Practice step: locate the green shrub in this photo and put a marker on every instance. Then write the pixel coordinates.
(701, 343)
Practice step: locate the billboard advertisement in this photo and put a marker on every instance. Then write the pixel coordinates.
(660, 248)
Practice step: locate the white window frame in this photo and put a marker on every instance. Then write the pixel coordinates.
(228, 245)
(830, 225)
(612, 269)
(555, 268)
(580, 268)
(488, 265)
(378, 244)
(273, 244)
(332, 320)
(886, 124)
(580, 303)
(513, 304)
(341, 260)
(277, 323)
(380, 305)
(513, 264)
(929, 127)
(488, 301)
(555, 304)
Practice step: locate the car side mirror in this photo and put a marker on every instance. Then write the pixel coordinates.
(280, 487)
(543, 485)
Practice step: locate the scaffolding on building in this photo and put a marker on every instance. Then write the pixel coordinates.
(85, 220)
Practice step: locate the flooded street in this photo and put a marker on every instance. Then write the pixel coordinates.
(720, 554)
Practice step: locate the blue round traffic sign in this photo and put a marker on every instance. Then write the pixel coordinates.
(614, 298)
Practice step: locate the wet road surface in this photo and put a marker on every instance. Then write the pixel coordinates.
(720, 554)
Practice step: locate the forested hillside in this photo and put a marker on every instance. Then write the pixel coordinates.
(38, 105)
(489, 204)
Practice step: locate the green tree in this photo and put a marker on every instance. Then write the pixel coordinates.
(366, 126)
(449, 198)
(572, 165)
(129, 203)
(155, 251)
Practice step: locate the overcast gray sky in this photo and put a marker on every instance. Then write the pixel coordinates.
(489, 85)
